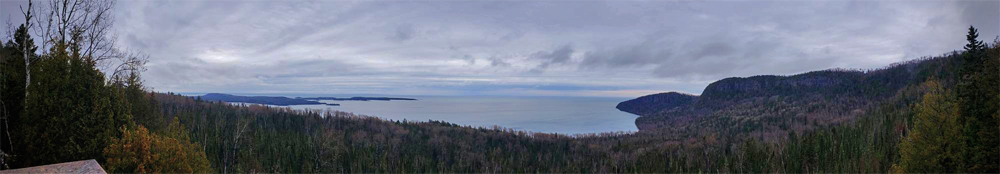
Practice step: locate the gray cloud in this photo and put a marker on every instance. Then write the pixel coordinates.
(496, 62)
(640, 54)
(440, 47)
(469, 59)
(560, 55)
(403, 33)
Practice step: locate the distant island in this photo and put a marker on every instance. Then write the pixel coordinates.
(285, 101)
(269, 100)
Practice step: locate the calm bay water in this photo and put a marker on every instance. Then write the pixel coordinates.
(567, 115)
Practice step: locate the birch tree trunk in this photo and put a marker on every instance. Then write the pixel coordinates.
(27, 58)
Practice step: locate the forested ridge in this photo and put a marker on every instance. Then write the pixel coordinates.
(77, 96)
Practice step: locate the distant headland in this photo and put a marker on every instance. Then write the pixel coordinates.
(356, 98)
(285, 101)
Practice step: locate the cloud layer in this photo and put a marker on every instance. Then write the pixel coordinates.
(588, 48)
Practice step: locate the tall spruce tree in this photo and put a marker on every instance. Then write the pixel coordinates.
(986, 155)
(971, 66)
(977, 100)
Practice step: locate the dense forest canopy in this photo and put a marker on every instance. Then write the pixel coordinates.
(935, 114)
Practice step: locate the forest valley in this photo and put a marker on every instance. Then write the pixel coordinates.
(79, 96)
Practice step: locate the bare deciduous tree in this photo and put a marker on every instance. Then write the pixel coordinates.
(91, 17)
(129, 65)
(87, 25)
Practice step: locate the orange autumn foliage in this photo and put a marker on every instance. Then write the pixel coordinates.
(139, 151)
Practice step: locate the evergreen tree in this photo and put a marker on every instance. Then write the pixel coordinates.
(968, 94)
(972, 37)
(977, 91)
(73, 113)
(986, 155)
(22, 41)
(971, 65)
(141, 105)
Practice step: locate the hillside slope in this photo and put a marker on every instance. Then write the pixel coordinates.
(770, 106)
(824, 121)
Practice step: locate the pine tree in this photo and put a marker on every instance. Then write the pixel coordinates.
(977, 93)
(971, 66)
(974, 44)
(72, 113)
(986, 153)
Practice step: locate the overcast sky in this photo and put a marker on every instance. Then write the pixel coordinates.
(525, 48)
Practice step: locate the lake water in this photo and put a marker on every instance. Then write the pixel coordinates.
(566, 115)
